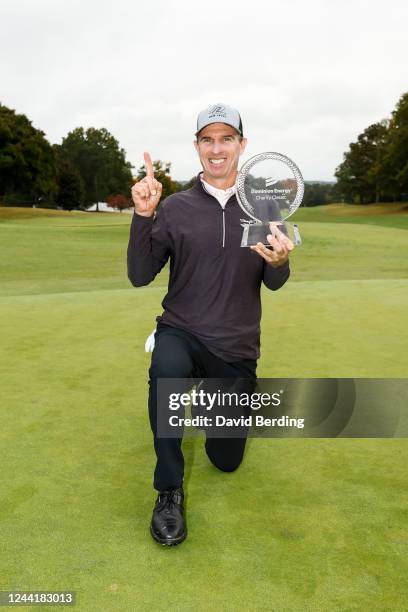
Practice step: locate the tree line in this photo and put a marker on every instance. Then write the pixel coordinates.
(89, 166)
(375, 167)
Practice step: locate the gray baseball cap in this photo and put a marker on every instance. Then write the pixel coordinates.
(219, 113)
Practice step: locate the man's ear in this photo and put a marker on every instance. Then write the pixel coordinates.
(195, 143)
(243, 144)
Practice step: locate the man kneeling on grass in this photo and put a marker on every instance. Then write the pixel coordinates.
(211, 320)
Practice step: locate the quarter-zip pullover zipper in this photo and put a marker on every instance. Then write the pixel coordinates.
(223, 214)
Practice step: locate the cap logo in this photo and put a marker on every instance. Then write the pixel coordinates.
(217, 111)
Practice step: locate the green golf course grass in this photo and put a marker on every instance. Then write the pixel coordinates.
(306, 524)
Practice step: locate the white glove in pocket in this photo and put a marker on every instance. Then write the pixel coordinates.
(149, 344)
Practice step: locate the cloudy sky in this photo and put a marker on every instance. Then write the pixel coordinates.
(307, 77)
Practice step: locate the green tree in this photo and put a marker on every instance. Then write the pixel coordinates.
(377, 136)
(360, 174)
(396, 158)
(375, 168)
(317, 194)
(184, 185)
(70, 187)
(27, 168)
(100, 161)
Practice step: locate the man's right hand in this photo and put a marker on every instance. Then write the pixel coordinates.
(146, 193)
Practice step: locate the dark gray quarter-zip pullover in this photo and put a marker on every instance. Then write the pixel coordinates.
(214, 285)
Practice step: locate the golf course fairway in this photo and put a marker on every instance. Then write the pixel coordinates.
(312, 524)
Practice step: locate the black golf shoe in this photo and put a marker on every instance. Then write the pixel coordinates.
(168, 526)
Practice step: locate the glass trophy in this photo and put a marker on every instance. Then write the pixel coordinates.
(270, 189)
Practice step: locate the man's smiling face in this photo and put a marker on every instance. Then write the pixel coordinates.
(219, 147)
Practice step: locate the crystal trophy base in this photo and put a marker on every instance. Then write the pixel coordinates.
(258, 232)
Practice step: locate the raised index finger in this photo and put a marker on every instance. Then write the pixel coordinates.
(148, 164)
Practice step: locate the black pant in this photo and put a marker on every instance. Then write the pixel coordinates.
(179, 354)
